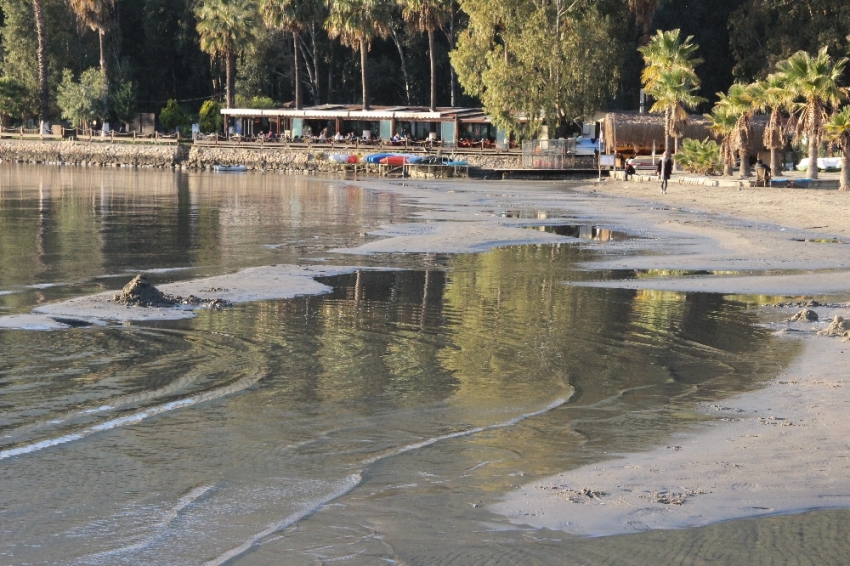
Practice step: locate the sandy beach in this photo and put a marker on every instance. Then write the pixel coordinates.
(780, 449)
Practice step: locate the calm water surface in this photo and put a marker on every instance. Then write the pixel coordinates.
(371, 425)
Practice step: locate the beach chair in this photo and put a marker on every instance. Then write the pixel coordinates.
(763, 177)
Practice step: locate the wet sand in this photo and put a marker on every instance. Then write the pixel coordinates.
(779, 450)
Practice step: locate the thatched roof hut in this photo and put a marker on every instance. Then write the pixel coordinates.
(636, 132)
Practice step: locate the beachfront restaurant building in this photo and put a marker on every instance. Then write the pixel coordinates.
(452, 127)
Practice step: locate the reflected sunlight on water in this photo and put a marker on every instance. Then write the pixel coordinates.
(388, 412)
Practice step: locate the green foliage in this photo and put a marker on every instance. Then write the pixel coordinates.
(226, 27)
(666, 53)
(86, 100)
(209, 119)
(764, 32)
(173, 116)
(259, 102)
(701, 157)
(528, 63)
(838, 126)
(722, 126)
(669, 77)
(12, 97)
(124, 102)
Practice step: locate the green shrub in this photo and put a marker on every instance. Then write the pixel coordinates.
(173, 116)
(701, 157)
(257, 102)
(124, 102)
(83, 101)
(209, 119)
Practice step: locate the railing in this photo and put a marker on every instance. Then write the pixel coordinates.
(88, 135)
(27, 134)
(116, 137)
(424, 146)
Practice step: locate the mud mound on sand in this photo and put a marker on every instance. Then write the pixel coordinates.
(805, 315)
(838, 327)
(140, 293)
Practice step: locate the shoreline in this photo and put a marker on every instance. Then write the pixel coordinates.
(282, 158)
(768, 249)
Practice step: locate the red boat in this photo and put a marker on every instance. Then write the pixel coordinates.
(394, 160)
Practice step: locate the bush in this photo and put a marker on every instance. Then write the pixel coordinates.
(701, 157)
(124, 102)
(210, 119)
(257, 102)
(86, 100)
(173, 116)
(12, 97)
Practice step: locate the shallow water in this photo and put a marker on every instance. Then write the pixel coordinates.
(371, 425)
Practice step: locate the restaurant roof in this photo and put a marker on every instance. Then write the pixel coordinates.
(355, 112)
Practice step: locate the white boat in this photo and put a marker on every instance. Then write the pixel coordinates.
(229, 168)
(824, 164)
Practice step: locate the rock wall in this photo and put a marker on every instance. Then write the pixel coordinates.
(93, 153)
(305, 161)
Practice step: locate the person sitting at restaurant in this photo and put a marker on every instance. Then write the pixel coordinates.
(396, 138)
(339, 137)
(323, 135)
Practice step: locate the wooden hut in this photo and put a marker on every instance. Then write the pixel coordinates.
(637, 134)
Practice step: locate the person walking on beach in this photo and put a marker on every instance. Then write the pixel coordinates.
(664, 169)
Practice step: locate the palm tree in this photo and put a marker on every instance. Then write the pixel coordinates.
(772, 94)
(666, 52)
(741, 104)
(427, 16)
(41, 33)
(356, 23)
(293, 16)
(814, 81)
(838, 129)
(722, 126)
(667, 56)
(97, 15)
(673, 91)
(226, 28)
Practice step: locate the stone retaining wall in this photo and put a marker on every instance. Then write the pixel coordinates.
(304, 161)
(91, 153)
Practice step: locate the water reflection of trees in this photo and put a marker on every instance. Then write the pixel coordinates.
(502, 328)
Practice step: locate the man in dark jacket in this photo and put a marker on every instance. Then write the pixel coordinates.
(664, 169)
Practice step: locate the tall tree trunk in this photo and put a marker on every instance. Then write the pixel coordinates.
(296, 44)
(403, 65)
(364, 49)
(230, 72)
(745, 162)
(317, 93)
(845, 165)
(676, 166)
(433, 57)
(667, 116)
(813, 149)
(100, 34)
(452, 75)
(41, 32)
(775, 162)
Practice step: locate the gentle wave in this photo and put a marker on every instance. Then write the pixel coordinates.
(348, 484)
(137, 417)
(161, 527)
(354, 480)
